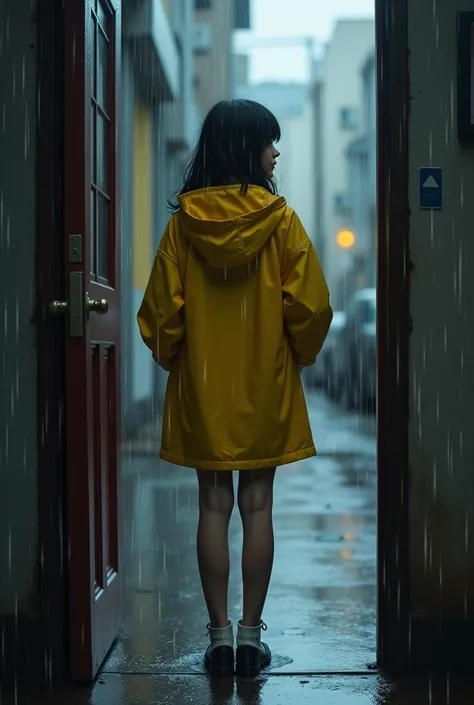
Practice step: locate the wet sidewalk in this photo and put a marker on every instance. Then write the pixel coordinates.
(321, 607)
(193, 689)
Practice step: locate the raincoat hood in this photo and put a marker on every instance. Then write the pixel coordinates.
(228, 227)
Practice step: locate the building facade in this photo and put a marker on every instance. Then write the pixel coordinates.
(339, 116)
(159, 119)
(361, 191)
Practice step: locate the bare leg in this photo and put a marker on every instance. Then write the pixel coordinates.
(255, 499)
(216, 502)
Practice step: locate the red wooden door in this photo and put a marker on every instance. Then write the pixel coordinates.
(92, 30)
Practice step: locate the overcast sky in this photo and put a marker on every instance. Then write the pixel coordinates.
(295, 19)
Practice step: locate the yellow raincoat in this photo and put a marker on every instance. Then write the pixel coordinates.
(236, 301)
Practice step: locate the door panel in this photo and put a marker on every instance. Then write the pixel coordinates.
(92, 266)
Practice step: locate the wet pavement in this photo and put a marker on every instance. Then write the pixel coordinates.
(320, 611)
(145, 689)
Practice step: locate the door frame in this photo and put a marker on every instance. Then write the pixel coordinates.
(51, 368)
(393, 331)
(393, 338)
(34, 643)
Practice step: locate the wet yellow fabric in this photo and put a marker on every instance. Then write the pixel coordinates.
(236, 301)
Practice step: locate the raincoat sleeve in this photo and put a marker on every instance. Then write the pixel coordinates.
(161, 314)
(306, 308)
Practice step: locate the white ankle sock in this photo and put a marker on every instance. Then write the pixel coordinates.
(249, 636)
(223, 636)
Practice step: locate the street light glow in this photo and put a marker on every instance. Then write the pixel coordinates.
(345, 239)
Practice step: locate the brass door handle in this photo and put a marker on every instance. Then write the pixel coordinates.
(74, 306)
(56, 307)
(79, 307)
(99, 306)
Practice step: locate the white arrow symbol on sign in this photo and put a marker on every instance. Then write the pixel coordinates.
(431, 183)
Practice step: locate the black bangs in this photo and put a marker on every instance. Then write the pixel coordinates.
(269, 124)
(229, 150)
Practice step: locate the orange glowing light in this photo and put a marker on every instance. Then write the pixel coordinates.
(345, 239)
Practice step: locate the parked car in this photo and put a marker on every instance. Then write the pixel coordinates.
(358, 348)
(317, 374)
(312, 376)
(330, 355)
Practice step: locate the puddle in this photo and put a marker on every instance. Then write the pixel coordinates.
(293, 632)
(327, 537)
(195, 663)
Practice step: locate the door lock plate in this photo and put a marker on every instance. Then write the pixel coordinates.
(75, 249)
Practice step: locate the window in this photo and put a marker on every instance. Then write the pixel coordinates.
(241, 14)
(367, 311)
(347, 118)
(202, 4)
(371, 311)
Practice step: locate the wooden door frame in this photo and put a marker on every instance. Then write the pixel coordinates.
(393, 337)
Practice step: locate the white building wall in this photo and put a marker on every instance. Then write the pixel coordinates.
(296, 169)
(361, 185)
(350, 44)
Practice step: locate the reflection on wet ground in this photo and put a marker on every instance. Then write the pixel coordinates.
(144, 689)
(321, 608)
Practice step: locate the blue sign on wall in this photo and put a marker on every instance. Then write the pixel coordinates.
(431, 188)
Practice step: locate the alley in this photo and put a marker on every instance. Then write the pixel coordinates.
(104, 104)
(321, 607)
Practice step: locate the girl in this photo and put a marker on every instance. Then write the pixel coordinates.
(235, 305)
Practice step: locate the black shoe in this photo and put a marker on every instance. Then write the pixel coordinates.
(251, 659)
(219, 661)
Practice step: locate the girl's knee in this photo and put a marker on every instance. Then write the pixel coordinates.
(255, 492)
(216, 492)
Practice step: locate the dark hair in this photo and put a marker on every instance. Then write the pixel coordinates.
(229, 149)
